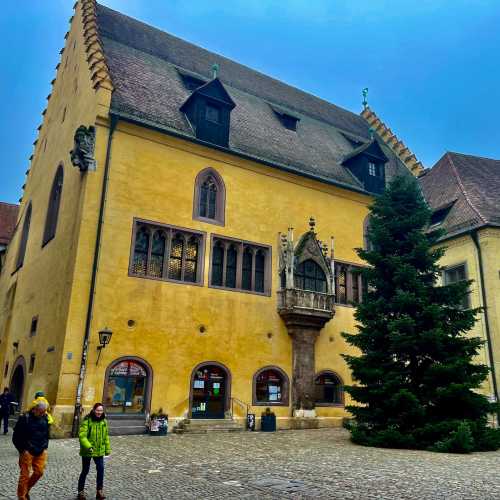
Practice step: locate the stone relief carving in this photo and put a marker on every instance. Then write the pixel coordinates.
(82, 154)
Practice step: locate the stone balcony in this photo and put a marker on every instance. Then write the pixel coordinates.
(314, 307)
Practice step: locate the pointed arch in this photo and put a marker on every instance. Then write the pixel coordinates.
(53, 207)
(24, 237)
(209, 197)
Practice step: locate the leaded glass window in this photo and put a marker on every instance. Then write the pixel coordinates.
(210, 197)
(260, 265)
(175, 259)
(166, 253)
(141, 249)
(341, 284)
(157, 255)
(310, 276)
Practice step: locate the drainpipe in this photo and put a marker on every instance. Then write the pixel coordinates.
(95, 265)
(475, 239)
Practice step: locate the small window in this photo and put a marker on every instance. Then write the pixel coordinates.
(439, 215)
(34, 326)
(6, 370)
(239, 265)
(328, 389)
(167, 253)
(212, 113)
(455, 275)
(32, 364)
(372, 169)
(349, 287)
(209, 197)
(270, 387)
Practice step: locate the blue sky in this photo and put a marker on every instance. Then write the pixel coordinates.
(432, 66)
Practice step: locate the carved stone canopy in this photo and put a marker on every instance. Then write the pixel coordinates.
(82, 154)
(307, 248)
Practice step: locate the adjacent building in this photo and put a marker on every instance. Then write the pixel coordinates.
(8, 218)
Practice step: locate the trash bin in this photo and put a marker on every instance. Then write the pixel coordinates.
(268, 423)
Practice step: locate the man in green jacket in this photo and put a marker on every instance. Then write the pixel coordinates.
(94, 444)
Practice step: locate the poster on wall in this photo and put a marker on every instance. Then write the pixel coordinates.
(199, 384)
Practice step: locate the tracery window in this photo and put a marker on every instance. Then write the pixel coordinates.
(240, 265)
(328, 389)
(209, 199)
(24, 238)
(166, 252)
(270, 387)
(310, 276)
(53, 208)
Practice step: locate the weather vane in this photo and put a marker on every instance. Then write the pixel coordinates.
(215, 69)
(365, 95)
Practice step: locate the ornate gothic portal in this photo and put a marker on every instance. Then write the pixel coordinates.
(306, 303)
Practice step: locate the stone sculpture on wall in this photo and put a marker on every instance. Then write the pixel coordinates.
(82, 154)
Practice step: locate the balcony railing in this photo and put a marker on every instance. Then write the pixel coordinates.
(306, 300)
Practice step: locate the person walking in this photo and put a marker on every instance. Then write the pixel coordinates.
(94, 444)
(6, 399)
(31, 438)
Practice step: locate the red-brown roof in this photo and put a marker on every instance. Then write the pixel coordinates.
(8, 217)
(470, 184)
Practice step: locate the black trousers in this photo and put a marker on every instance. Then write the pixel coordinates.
(99, 465)
(5, 418)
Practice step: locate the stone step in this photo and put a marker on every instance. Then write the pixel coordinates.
(203, 426)
(126, 425)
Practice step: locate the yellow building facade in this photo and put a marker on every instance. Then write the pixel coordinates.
(159, 207)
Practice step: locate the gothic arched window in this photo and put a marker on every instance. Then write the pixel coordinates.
(209, 197)
(310, 276)
(53, 208)
(24, 238)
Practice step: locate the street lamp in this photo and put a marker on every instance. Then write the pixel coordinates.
(104, 339)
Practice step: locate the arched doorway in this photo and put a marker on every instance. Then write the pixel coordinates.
(17, 381)
(210, 390)
(127, 389)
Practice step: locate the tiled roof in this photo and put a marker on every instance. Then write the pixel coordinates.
(144, 63)
(8, 218)
(471, 184)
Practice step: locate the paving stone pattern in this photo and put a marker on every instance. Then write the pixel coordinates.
(321, 464)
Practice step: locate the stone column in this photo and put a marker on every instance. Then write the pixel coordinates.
(303, 339)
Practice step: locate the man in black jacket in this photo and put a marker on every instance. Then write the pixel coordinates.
(5, 401)
(31, 438)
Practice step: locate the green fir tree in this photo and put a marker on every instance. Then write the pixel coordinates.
(416, 382)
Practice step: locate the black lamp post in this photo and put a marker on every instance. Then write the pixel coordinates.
(104, 339)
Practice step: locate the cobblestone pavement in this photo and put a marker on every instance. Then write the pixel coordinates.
(289, 464)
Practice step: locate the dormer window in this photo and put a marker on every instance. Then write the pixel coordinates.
(208, 110)
(367, 163)
(439, 215)
(212, 113)
(289, 122)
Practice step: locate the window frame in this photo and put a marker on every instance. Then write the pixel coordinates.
(350, 268)
(452, 267)
(53, 207)
(342, 391)
(239, 265)
(285, 392)
(24, 237)
(136, 222)
(34, 322)
(220, 204)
